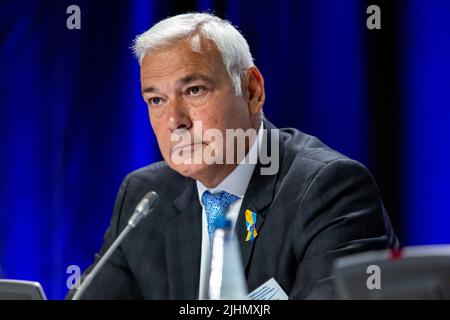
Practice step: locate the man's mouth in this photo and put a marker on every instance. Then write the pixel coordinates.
(187, 148)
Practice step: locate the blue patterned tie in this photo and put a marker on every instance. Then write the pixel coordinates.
(216, 205)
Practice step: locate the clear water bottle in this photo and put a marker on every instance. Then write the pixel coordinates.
(226, 279)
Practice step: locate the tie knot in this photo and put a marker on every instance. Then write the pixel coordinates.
(216, 204)
(220, 201)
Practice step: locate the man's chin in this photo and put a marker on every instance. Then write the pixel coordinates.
(193, 171)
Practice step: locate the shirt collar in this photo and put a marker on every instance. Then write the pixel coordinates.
(237, 181)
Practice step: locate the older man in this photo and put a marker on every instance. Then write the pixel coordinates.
(199, 82)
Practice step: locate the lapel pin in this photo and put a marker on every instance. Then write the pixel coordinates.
(250, 222)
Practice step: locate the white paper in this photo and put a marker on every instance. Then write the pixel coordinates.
(270, 290)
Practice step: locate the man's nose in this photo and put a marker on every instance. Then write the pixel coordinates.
(178, 116)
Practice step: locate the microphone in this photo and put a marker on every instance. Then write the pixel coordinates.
(143, 209)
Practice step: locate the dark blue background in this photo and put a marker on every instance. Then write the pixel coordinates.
(72, 122)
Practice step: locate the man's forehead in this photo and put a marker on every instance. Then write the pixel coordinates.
(180, 64)
(191, 48)
(179, 73)
(184, 80)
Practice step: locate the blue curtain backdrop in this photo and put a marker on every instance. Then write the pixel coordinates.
(72, 122)
(425, 108)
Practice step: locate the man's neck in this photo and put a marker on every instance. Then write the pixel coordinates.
(216, 174)
(220, 173)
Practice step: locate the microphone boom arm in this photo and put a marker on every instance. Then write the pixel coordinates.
(142, 210)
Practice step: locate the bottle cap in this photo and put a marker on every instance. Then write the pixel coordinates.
(222, 223)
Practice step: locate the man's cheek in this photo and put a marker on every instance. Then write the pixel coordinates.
(163, 143)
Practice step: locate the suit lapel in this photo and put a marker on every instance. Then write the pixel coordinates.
(258, 197)
(184, 244)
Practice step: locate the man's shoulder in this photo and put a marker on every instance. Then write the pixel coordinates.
(302, 147)
(305, 156)
(155, 176)
(160, 168)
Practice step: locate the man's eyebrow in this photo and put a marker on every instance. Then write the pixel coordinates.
(185, 80)
(149, 90)
(193, 77)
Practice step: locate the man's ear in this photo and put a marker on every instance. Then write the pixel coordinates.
(254, 86)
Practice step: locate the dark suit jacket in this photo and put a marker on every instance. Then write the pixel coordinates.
(319, 206)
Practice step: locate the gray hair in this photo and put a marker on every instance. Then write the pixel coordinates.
(231, 44)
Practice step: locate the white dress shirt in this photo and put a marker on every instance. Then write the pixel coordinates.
(235, 183)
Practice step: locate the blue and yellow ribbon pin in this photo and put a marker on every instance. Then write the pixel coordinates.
(250, 222)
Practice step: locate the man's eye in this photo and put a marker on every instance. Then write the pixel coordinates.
(154, 101)
(196, 90)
